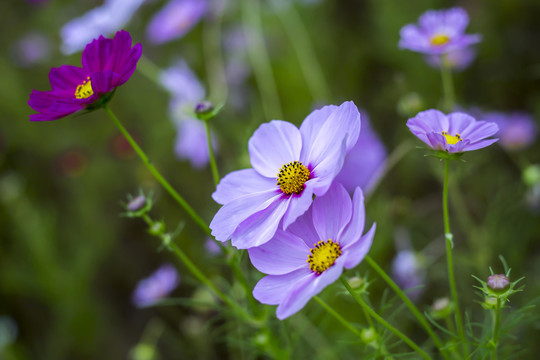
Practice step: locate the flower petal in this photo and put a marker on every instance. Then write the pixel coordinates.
(304, 229)
(66, 78)
(312, 124)
(272, 289)
(240, 183)
(102, 82)
(283, 254)
(332, 212)
(355, 227)
(480, 144)
(357, 251)
(96, 55)
(299, 204)
(273, 145)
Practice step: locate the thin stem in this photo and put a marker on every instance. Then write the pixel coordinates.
(338, 317)
(213, 164)
(383, 322)
(496, 327)
(448, 84)
(302, 44)
(149, 69)
(450, 263)
(258, 55)
(421, 319)
(217, 82)
(157, 174)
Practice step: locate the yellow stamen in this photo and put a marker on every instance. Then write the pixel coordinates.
(452, 139)
(292, 177)
(439, 39)
(323, 255)
(84, 90)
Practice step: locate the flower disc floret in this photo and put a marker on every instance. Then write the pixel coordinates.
(290, 165)
(106, 64)
(452, 133)
(438, 32)
(291, 280)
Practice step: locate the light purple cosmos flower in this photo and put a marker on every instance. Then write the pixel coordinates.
(455, 133)
(157, 286)
(408, 272)
(365, 162)
(175, 20)
(290, 165)
(106, 19)
(106, 64)
(517, 130)
(313, 252)
(191, 143)
(438, 32)
(457, 60)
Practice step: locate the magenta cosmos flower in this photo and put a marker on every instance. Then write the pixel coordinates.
(312, 253)
(157, 286)
(438, 32)
(106, 64)
(454, 133)
(290, 165)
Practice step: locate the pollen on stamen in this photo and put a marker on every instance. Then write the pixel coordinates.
(451, 139)
(439, 39)
(292, 177)
(323, 255)
(84, 90)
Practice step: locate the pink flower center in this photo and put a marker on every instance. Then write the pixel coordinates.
(84, 90)
(323, 255)
(451, 139)
(292, 177)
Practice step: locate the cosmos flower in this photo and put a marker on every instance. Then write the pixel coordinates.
(187, 92)
(290, 165)
(365, 162)
(112, 16)
(438, 32)
(157, 286)
(106, 64)
(455, 133)
(517, 130)
(409, 273)
(313, 252)
(175, 20)
(456, 60)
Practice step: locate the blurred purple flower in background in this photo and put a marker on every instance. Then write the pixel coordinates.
(454, 133)
(106, 64)
(517, 130)
(438, 32)
(408, 272)
(312, 254)
(157, 286)
(457, 60)
(187, 92)
(31, 49)
(365, 162)
(112, 16)
(290, 165)
(175, 19)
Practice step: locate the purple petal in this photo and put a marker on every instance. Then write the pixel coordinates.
(356, 252)
(332, 212)
(229, 217)
(272, 289)
(283, 254)
(299, 204)
(273, 145)
(102, 82)
(304, 229)
(129, 65)
(355, 227)
(240, 183)
(306, 288)
(260, 227)
(480, 144)
(326, 171)
(312, 124)
(96, 55)
(460, 123)
(66, 78)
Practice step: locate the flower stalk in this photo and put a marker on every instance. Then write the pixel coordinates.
(496, 326)
(447, 84)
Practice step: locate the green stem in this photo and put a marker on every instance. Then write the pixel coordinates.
(450, 263)
(213, 58)
(448, 85)
(258, 55)
(496, 327)
(421, 319)
(157, 174)
(302, 44)
(149, 69)
(383, 322)
(213, 164)
(338, 317)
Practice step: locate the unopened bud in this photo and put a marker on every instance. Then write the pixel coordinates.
(204, 110)
(356, 282)
(498, 282)
(441, 308)
(137, 203)
(369, 335)
(531, 175)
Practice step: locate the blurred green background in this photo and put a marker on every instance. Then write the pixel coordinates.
(69, 262)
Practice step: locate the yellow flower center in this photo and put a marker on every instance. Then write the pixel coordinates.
(292, 177)
(84, 90)
(439, 39)
(323, 255)
(451, 139)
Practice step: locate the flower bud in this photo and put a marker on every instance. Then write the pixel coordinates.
(369, 335)
(489, 303)
(356, 282)
(498, 282)
(441, 308)
(531, 175)
(204, 110)
(137, 203)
